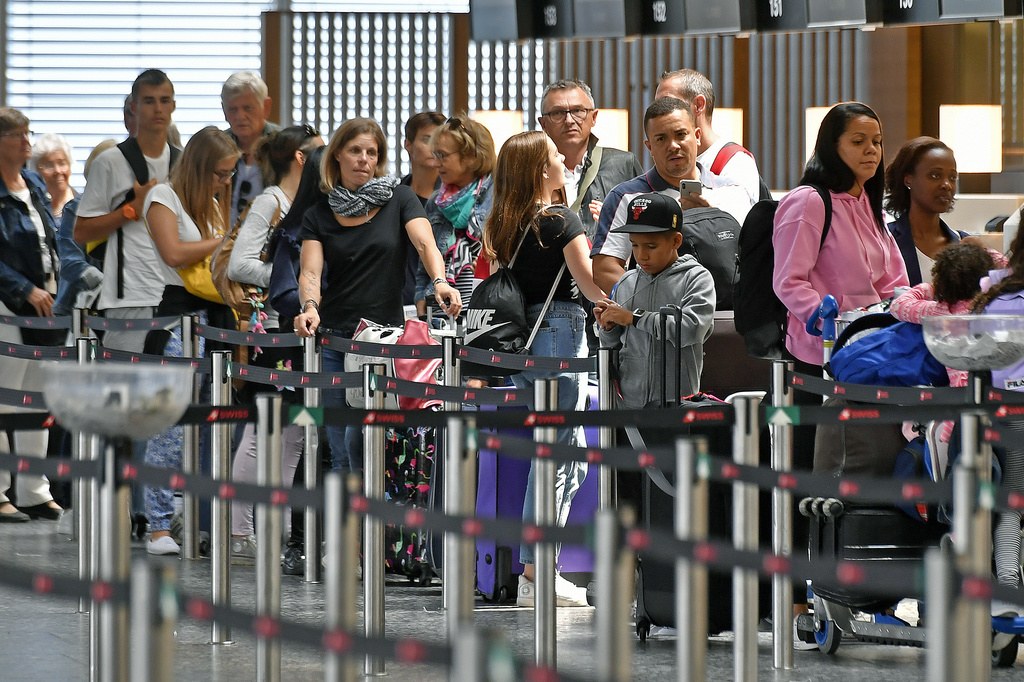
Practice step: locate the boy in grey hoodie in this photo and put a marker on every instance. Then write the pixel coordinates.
(629, 317)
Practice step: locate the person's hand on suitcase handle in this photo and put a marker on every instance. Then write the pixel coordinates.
(448, 298)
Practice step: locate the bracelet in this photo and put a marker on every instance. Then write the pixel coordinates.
(308, 302)
(438, 280)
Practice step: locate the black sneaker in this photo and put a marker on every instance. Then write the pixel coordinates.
(294, 562)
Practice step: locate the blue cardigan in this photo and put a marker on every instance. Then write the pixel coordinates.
(900, 229)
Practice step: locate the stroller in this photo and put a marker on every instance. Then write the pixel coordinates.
(857, 532)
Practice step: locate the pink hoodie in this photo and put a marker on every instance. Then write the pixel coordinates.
(859, 263)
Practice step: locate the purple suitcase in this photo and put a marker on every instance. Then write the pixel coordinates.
(501, 490)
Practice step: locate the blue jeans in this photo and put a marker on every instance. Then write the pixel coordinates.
(564, 336)
(346, 441)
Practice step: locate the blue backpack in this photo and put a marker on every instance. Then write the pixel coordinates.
(894, 355)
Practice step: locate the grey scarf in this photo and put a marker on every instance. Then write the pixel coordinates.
(376, 192)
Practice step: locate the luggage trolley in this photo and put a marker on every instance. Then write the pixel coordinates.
(877, 533)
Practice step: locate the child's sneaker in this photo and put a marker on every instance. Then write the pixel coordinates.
(566, 593)
(243, 550)
(162, 546)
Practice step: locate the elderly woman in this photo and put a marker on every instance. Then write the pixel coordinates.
(51, 158)
(457, 212)
(363, 231)
(28, 281)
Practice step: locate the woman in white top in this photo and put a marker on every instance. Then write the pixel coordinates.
(281, 157)
(187, 217)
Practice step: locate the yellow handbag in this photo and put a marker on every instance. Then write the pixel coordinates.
(198, 281)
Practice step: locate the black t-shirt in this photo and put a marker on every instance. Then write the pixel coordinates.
(366, 263)
(537, 266)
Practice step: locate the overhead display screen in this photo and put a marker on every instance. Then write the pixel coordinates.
(552, 19)
(974, 9)
(721, 16)
(782, 15)
(499, 19)
(662, 17)
(606, 18)
(836, 13)
(911, 12)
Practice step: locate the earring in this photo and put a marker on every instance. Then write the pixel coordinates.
(907, 186)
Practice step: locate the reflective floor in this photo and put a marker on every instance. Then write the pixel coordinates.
(44, 638)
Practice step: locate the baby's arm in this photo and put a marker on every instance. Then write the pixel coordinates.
(916, 304)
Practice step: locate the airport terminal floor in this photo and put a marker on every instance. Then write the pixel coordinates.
(44, 638)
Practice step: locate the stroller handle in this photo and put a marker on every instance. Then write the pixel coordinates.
(827, 312)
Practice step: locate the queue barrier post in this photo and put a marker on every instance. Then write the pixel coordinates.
(190, 446)
(84, 489)
(373, 528)
(311, 364)
(154, 613)
(614, 567)
(268, 533)
(607, 493)
(451, 368)
(691, 524)
(545, 639)
(460, 495)
(341, 530)
(745, 537)
(940, 649)
(220, 508)
(782, 523)
(972, 530)
(113, 568)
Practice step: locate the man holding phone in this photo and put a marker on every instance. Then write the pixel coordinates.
(673, 139)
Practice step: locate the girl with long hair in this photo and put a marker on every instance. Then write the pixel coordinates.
(544, 238)
(187, 218)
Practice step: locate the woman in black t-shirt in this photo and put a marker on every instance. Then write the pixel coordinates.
(359, 233)
(528, 174)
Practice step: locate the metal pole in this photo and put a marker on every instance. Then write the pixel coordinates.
(605, 434)
(373, 528)
(939, 593)
(470, 647)
(972, 530)
(614, 568)
(545, 651)
(113, 568)
(452, 369)
(311, 466)
(190, 447)
(691, 519)
(78, 328)
(460, 498)
(782, 524)
(744, 537)
(268, 532)
(154, 612)
(93, 530)
(220, 522)
(83, 488)
(341, 528)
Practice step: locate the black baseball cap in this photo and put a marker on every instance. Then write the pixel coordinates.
(652, 213)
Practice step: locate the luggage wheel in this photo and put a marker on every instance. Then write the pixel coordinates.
(643, 629)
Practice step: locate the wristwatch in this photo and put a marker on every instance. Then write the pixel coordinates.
(637, 314)
(310, 302)
(128, 212)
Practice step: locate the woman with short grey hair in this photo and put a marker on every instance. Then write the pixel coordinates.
(52, 159)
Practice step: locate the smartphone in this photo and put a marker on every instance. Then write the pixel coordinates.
(688, 186)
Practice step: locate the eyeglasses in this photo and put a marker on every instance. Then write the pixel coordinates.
(244, 188)
(222, 176)
(309, 131)
(453, 123)
(558, 115)
(441, 156)
(28, 134)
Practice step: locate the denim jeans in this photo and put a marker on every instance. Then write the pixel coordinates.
(346, 441)
(563, 336)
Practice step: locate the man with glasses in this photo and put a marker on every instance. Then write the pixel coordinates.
(567, 116)
(245, 100)
(111, 209)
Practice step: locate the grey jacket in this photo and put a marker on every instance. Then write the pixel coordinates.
(616, 167)
(642, 369)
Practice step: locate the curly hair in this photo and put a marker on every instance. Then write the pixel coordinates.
(1010, 284)
(957, 271)
(898, 200)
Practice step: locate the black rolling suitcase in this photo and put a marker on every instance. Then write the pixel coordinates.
(656, 590)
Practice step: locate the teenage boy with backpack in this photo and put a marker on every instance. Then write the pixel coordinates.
(629, 317)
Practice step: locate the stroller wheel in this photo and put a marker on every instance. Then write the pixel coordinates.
(1005, 657)
(828, 637)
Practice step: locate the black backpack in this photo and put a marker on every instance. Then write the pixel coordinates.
(759, 314)
(711, 235)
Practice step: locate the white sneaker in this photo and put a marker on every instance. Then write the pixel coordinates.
(163, 545)
(566, 593)
(243, 550)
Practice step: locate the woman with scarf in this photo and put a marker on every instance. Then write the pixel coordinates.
(457, 212)
(362, 232)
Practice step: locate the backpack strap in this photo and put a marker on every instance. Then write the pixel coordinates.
(588, 178)
(826, 198)
(728, 150)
